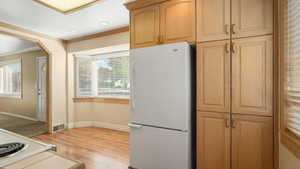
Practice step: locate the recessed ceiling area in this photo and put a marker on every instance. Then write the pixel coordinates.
(34, 16)
(10, 45)
(65, 6)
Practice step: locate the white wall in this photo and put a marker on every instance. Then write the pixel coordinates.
(287, 160)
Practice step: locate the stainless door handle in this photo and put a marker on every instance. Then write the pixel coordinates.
(136, 126)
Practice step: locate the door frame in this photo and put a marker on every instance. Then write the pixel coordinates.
(38, 58)
(15, 32)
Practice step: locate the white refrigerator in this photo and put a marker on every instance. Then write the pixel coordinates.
(160, 124)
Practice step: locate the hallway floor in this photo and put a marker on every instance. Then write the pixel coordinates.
(98, 148)
(21, 126)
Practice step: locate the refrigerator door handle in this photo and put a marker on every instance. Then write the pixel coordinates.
(132, 104)
(135, 126)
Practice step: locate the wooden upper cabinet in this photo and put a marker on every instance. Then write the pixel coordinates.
(165, 21)
(252, 76)
(213, 140)
(252, 142)
(252, 18)
(213, 76)
(144, 27)
(213, 20)
(177, 21)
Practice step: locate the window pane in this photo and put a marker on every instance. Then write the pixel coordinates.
(292, 60)
(10, 78)
(84, 77)
(113, 76)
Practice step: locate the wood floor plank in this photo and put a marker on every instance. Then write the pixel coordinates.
(98, 148)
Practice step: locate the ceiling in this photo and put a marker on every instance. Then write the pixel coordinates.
(10, 45)
(31, 15)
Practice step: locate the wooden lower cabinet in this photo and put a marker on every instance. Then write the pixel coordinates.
(252, 142)
(213, 140)
(244, 142)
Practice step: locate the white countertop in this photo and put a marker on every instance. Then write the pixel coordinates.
(32, 148)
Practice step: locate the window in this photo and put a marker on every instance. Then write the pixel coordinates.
(10, 78)
(104, 76)
(290, 74)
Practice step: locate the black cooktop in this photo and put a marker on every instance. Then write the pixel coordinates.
(10, 148)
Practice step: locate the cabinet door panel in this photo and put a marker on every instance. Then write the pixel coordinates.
(213, 141)
(252, 142)
(252, 17)
(144, 27)
(213, 20)
(177, 21)
(213, 76)
(252, 76)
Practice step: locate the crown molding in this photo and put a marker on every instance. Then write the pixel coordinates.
(13, 27)
(100, 34)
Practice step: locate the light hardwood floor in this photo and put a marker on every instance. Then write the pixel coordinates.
(98, 148)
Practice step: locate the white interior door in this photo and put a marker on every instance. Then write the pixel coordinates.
(42, 88)
(156, 148)
(160, 86)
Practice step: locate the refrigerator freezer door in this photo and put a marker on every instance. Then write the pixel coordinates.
(160, 86)
(159, 148)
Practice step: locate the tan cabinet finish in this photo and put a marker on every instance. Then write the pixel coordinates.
(213, 141)
(252, 18)
(167, 21)
(252, 142)
(252, 76)
(213, 20)
(213, 76)
(177, 21)
(144, 27)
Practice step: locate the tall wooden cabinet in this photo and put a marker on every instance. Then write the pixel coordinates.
(161, 21)
(234, 91)
(235, 84)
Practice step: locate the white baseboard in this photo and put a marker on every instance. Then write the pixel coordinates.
(99, 124)
(111, 126)
(19, 116)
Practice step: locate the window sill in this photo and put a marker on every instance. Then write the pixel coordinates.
(10, 97)
(291, 142)
(102, 100)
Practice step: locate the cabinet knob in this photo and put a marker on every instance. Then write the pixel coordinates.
(233, 124)
(227, 29)
(233, 29)
(233, 48)
(227, 48)
(227, 121)
(158, 39)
